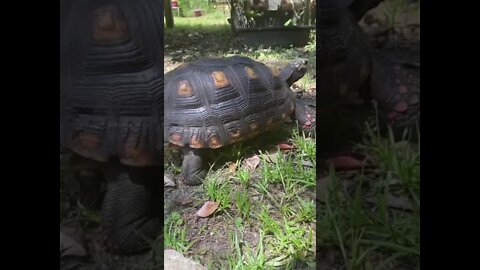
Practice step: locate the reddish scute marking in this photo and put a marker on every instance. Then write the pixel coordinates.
(275, 71)
(184, 89)
(109, 25)
(235, 135)
(251, 73)
(196, 142)
(135, 156)
(88, 141)
(176, 138)
(402, 89)
(214, 142)
(220, 79)
(253, 126)
(401, 106)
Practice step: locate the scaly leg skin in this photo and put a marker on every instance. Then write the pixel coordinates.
(192, 166)
(132, 208)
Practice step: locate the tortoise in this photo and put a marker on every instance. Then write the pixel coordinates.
(347, 66)
(214, 102)
(111, 109)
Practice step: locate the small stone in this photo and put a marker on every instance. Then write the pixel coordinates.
(174, 260)
(168, 182)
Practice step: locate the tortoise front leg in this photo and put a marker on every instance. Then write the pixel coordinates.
(305, 116)
(192, 166)
(132, 208)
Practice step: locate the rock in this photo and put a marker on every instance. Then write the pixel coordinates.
(70, 243)
(168, 181)
(72, 253)
(174, 260)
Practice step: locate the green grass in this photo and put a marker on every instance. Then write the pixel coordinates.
(187, 7)
(174, 233)
(209, 19)
(360, 218)
(247, 257)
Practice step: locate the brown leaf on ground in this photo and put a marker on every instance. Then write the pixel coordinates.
(207, 209)
(286, 146)
(349, 161)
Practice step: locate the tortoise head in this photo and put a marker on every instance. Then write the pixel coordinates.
(294, 71)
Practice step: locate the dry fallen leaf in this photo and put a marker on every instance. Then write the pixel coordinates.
(207, 209)
(168, 181)
(285, 146)
(252, 162)
(348, 161)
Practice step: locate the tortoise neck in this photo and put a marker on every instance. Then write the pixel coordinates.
(286, 75)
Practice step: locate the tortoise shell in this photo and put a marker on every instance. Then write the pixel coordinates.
(111, 80)
(214, 102)
(343, 54)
